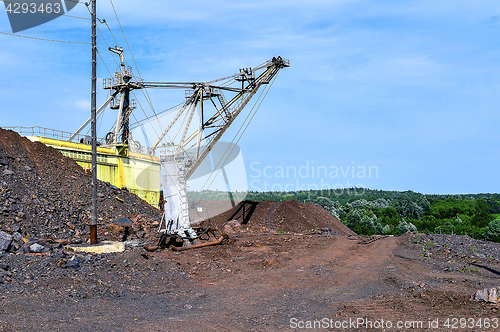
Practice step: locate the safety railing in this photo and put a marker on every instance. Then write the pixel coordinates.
(48, 133)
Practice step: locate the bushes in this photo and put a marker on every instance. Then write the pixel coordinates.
(448, 209)
(404, 227)
(334, 207)
(493, 231)
(450, 216)
(389, 216)
(446, 228)
(363, 222)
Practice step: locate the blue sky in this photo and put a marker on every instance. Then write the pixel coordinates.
(407, 88)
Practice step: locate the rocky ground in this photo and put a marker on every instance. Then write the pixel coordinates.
(254, 283)
(458, 253)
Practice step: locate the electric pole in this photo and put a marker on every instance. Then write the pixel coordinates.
(93, 222)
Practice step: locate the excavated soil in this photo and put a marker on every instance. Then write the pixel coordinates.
(275, 282)
(280, 217)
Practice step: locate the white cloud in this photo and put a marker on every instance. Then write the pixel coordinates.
(82, 105)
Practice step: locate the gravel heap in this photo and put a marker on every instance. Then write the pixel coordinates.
(465, 246)
(278, 217)
(45, 196)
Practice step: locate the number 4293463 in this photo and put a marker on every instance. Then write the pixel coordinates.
(471, 323)
(32, 8)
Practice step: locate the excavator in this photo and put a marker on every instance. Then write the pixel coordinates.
(186, 141)
(182, 158)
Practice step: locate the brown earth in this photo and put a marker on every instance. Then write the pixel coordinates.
(255, 283)
(200, 210)
(280, 217)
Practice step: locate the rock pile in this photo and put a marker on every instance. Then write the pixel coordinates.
(465, 246)
(45, 199)
(278, 217)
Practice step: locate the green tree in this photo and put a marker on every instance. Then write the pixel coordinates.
(404, 227)
(363, 222)
(482, 218)
(389, 216)
(449, 208)
(446, 228)
(493, 231)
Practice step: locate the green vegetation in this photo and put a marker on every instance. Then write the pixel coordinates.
(370, 212)
(425, 246)
(493, 231)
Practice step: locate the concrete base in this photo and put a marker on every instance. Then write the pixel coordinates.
(104, 247)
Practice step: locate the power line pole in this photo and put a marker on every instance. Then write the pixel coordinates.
(93, 223)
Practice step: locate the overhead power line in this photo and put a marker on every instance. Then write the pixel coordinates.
(51, 40)
(107, 46)
(104, 63)
(144, 91)
(110, 31)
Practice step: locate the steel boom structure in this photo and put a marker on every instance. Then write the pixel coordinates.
(184, 143)
(210, 129)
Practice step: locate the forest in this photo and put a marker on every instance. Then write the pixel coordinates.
(370, 212)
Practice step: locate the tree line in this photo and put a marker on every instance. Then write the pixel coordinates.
(369, 212)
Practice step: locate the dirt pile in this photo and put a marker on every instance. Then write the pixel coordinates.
(46, 195)
(275, 217)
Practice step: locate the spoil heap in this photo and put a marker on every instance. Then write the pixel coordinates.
(46, 195)
(289, 216)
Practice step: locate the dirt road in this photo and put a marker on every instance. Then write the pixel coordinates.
(257, 283)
